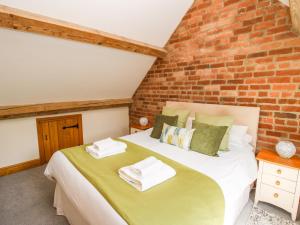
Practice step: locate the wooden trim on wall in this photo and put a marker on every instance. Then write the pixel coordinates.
(19, 167)
(20, 111)
(17, 19)
(295, 15)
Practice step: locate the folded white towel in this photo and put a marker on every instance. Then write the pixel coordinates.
(107, 144)
(146, 166)
(98, 154)
(143, 184)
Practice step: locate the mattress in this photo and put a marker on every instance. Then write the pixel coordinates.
(234, 171)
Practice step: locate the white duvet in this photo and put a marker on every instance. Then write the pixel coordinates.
(234, 171)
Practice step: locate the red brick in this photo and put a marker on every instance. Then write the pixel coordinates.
(266, 100)
(285, 115)
(276, 134)
(242, 54)
(288, 72)
(279, 79)
(278, 29)
(288, 58)
(260, 87)
(281, 51)
(281, 87)
(295, 136)
(245, 99)
(264, 74)
(257, 54)
(291, 108)
(286, 129)
(242, 30)
(255, 81)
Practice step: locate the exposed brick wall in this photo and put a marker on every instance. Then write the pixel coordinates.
(237, 52)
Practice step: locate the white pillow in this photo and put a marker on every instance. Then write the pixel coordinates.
(237, 132)
(189, 122)
(248, 138)
(238, 135)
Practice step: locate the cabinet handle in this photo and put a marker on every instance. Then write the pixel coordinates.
(74, 126)
(279, 171)
(275, 195)
(277, 182)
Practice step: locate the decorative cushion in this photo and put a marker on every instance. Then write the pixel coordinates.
(181, 113)
(217, 121)
(159, 123)
(180, 137)
(207, 138)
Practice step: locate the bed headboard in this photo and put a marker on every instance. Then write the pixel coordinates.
(248, 116)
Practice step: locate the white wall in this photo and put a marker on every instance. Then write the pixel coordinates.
(19, 142)
(36, 68)
(39, 69)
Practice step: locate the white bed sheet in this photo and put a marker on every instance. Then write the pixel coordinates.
(234, 171)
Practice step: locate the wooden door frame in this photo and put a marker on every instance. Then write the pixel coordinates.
(39, 122)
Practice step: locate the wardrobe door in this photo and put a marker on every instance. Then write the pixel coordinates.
(69, 133)
(57, 133)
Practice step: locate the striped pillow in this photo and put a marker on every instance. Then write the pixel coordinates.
(180, 137)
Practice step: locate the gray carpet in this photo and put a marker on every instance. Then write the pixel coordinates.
(26, 198)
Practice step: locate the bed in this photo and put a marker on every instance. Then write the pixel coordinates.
(234, 171)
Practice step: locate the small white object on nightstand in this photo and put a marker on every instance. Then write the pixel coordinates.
(286, 149)
(278, 181)
(143, 121)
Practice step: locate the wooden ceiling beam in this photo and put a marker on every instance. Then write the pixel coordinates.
(29, 22)
(295, 15)
(20, 111)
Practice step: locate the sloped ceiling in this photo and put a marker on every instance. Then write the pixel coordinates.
(286, 2)
(38, 69)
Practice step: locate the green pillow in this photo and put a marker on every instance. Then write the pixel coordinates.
(159, 123)
(207, 138)
(217, 121)
(181, 113)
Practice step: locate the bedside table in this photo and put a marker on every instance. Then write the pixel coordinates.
(138, 128)
(278, 181)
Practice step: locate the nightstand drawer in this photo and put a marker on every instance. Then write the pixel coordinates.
(280, 171)
(278, 182)
(282, 199)
(134, 130)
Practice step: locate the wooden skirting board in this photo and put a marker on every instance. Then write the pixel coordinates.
(19, 111)
(29, 22)
(19, 167)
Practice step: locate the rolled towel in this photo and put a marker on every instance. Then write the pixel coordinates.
(109, 152)
(146, 166)
(143, 184)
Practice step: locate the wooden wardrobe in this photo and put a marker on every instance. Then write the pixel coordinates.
(55, 133)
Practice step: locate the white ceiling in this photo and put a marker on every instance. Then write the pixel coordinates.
(150, 21)
(36, 68)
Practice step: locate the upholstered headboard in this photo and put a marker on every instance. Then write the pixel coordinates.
(248, 116)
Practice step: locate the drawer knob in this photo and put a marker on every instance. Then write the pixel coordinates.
(277, 182)
(279, 171)
(275, 195)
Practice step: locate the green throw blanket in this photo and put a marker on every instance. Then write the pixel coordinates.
(189, 198)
